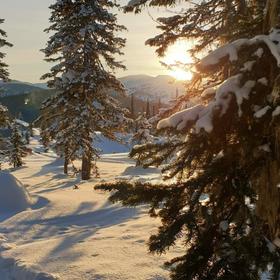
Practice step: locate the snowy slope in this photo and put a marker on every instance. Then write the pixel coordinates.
(78, 234)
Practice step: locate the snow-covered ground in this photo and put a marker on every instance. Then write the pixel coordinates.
(76, 234)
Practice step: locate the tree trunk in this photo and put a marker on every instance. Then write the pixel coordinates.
(66, 162)
(66, 159)
(272, 16)
(268, 205)
(86, 167)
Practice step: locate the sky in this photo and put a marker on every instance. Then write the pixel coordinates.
(26, 20)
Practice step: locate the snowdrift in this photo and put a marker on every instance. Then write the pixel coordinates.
(16, 270)
(107, 146)
(13, 196)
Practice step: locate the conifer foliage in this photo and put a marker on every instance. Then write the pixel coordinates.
(4, 119)
(17, 147)
(221, 155)
(206, 22)
(142, 134)
(83, 46)
(4, 74)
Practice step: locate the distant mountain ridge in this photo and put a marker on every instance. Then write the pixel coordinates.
(41, 85)
(142, 86)
(24, 99)
(162, 87)
(15, 87)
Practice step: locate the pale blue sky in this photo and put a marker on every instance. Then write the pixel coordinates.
(26, 20)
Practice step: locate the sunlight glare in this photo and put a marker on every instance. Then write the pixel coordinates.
(181, 75)
(178, 54)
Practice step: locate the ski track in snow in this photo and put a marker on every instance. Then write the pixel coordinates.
(77, 234)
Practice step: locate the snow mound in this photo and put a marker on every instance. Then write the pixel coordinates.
(13, 269)
(13, 196)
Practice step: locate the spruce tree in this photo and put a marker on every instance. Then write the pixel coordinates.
(83, 46)
(30, 129)
(17, 148)
(4, 119)
(148, 112)
(221, 159)
(132, 106)
(143, 127)
(4, 76)
(27, 136)
(4, 122)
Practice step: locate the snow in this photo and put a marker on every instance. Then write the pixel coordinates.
(107, 146)
(77, 234)
(230, 50)
(263, 81)
(276, 112)
(248, 66)
(259, 52)
(224, 225)
(22, 123)
(233, 85)
(202, 116)
(260, 113)
(16, 270)
(208, 92)
(265, 148)
(13, 196)
(179, 120)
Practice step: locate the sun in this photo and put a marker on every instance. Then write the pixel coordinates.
(180, 74)
(176, 58)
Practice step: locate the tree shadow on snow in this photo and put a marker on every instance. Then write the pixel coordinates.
(80, 225)
(54, 167)
(138, 170)
(117, 159)
(55, 183)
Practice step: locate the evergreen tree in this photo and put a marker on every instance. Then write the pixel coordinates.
(30, 129)
(4, 74)
(27, 136)
(159, 106)
(83, 46)
(221, 155)
(148, 113)
(4, 119)
(143, 127)
(17, 149)
(4, 122)
(132, 109)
